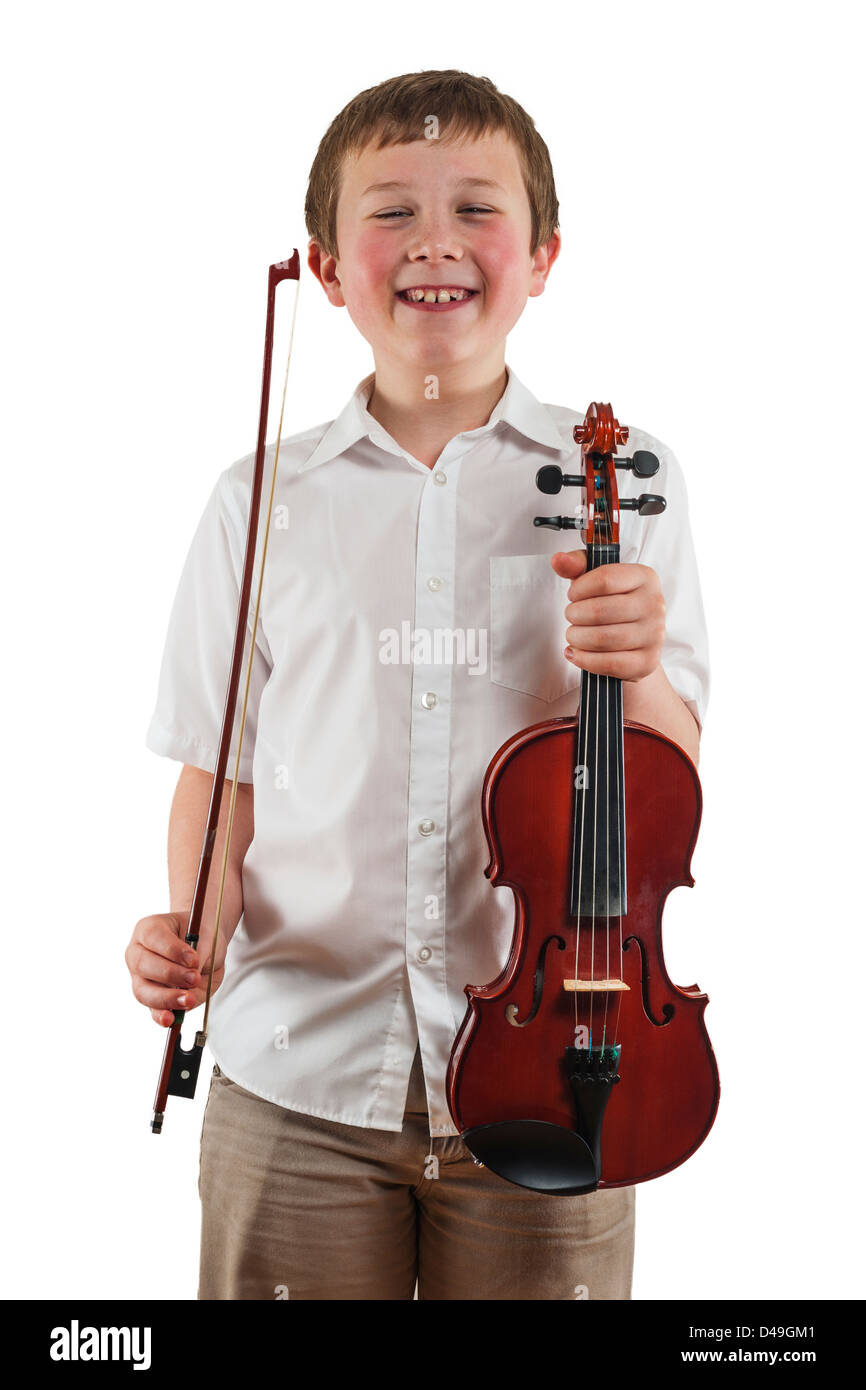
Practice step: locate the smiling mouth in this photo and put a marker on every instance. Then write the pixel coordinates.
(436, 296)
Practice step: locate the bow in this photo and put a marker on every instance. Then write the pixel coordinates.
(180, 1065)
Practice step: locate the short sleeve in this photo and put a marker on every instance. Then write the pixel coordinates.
(664, 542)
(196, 660)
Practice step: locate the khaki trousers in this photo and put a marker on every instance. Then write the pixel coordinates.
(301, 1208)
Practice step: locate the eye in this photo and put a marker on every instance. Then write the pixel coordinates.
(396, 212)
(475, 208)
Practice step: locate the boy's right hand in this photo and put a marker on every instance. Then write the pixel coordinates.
(167, 974)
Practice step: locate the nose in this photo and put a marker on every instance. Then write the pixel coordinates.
(434, 244)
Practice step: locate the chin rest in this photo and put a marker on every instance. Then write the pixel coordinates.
(535, 1154)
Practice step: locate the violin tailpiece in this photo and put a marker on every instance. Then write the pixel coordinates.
(592, 1073)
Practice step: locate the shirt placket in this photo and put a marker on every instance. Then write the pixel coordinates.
(430, 742)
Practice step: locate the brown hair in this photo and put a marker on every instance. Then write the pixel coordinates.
(396, 112)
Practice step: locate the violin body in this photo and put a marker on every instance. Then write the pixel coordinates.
(666, 1100)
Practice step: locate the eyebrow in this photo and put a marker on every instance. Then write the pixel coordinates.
(464, 183)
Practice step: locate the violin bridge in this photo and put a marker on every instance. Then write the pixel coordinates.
(593, 986)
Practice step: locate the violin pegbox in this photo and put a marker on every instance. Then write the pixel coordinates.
(599, 437)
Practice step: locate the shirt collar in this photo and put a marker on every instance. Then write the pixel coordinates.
(516, 407)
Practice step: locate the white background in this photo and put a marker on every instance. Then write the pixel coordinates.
(709, 166)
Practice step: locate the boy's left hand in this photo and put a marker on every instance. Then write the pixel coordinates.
(616, 617)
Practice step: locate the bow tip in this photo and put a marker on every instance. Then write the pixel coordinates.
(286, 270)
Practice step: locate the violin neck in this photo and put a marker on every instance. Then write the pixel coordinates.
(598, 887)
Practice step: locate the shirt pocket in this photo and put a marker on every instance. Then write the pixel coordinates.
(527, 627)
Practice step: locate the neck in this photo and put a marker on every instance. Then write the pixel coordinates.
(422, 409)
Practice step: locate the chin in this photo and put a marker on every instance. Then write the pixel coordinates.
(433, 355)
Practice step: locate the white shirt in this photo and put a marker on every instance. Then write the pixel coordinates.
(366, 908)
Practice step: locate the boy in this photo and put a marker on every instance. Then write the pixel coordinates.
(356, 901)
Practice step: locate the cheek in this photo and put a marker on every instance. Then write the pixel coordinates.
(372, 256)
(505, 263)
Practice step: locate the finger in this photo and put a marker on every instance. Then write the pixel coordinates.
(163, 934)
(164, 1017)
(205, 948)
(610, 608)
(624, 637)
(194, 997)
(160, 971)
(569, 563)
(625, 666)
(160, 997)
(609, 579)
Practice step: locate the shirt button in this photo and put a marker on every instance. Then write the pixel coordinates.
(427, 827)
(434, 584)
(425, 953)
(440, 477)
(429, 699)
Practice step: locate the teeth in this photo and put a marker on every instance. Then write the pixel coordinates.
(436, 296)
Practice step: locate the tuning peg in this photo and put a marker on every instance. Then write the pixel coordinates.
(552, 479)
(648, 504)
(643, 464)
(557, 523)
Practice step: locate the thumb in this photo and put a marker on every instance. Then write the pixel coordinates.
(569, 564)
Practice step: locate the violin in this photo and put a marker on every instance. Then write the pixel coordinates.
(582, 1065)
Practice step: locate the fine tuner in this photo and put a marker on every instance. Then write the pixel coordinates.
(551, 480)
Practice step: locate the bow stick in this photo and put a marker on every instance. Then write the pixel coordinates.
(180, 1066)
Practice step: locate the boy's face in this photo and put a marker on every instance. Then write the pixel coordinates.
(453, 216)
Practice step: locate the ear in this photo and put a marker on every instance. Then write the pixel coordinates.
(324, 267)
(542, 260)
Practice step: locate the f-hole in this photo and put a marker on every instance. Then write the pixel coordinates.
(537, 987)
(668, 1010)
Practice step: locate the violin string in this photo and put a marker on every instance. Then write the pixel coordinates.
(607, 839)
(582, 755)
(583, 764)
(594, 714)
(610, 711)
(620, 858)
(248, 675)
(590, 479)
(620, 829)
(605, 559)
(594, 852)
(585, 710)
